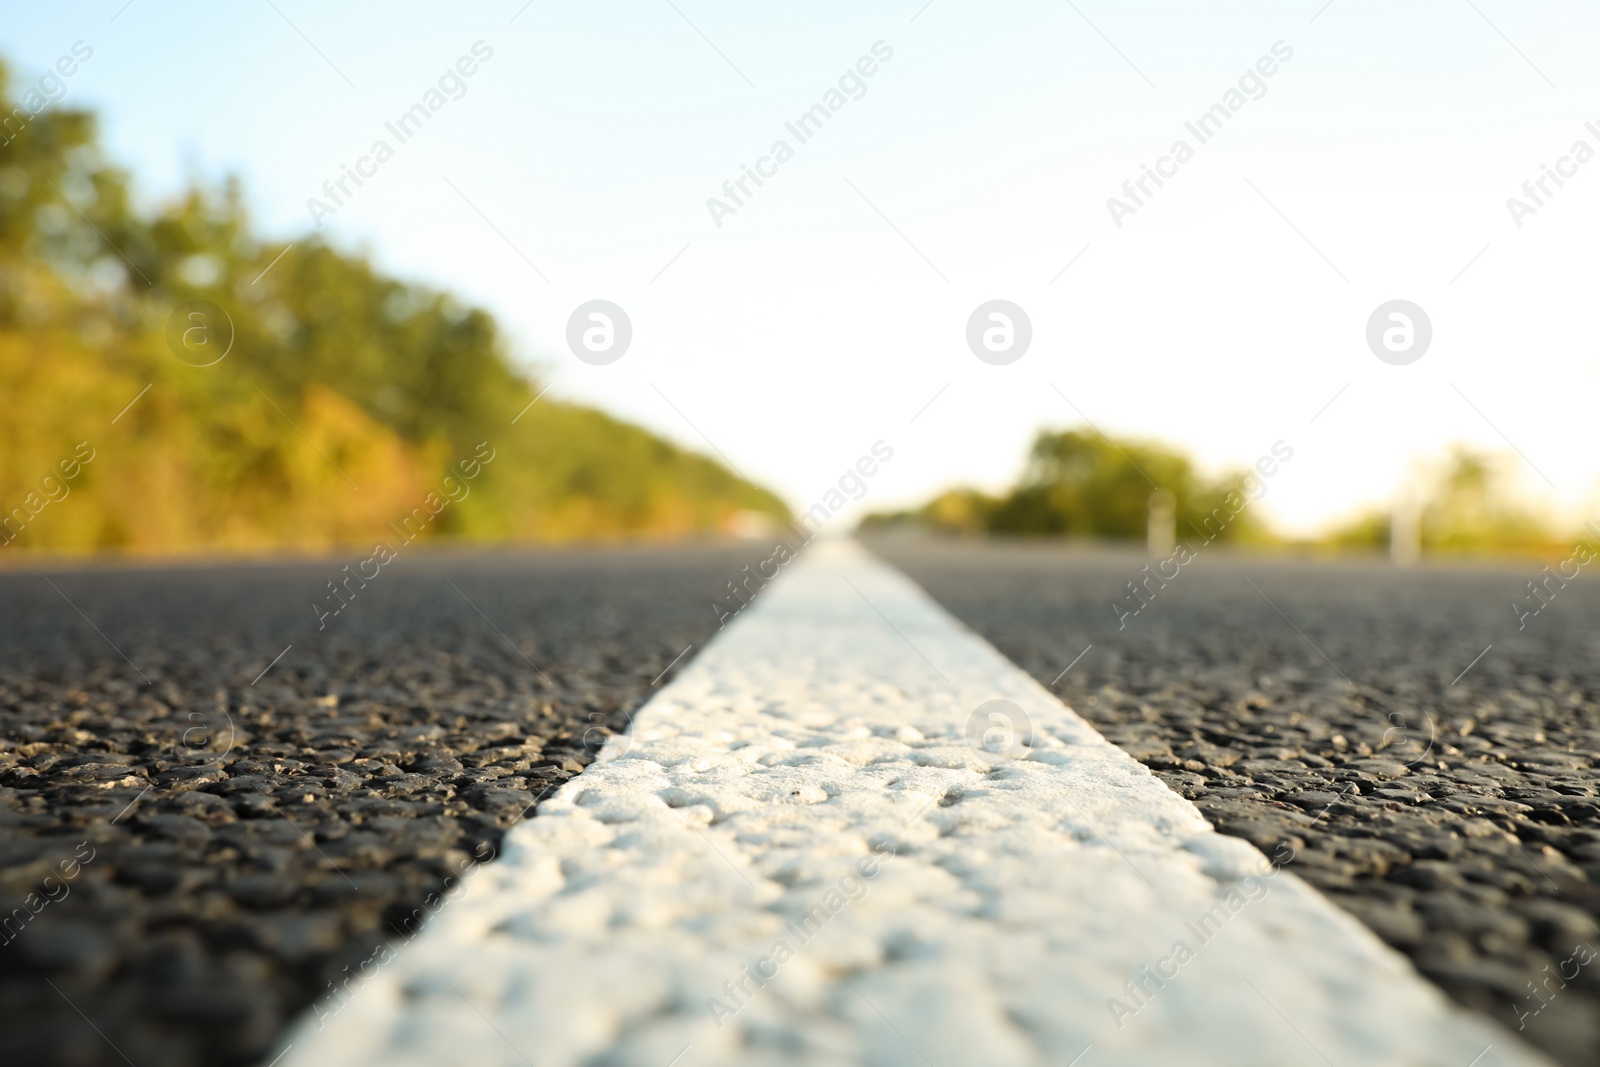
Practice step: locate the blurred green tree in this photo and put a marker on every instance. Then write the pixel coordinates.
(1082, 484)
(1469, 507)
(391, 382)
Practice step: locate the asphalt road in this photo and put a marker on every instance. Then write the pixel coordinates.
(192, 850)
(1448, 801)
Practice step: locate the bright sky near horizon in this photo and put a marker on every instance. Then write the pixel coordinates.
(1228, 312)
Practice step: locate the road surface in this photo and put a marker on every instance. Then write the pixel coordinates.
(249, 806)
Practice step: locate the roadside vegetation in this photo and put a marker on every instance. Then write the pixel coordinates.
(1080, 484)
(345, 398)
(1468, 507)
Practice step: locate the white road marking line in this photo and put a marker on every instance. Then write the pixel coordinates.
(999, 928)
(910, 1043)
(492, 1026)
(898, 632)
(1291, 1025)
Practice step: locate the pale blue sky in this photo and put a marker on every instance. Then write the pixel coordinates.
(1221, 317)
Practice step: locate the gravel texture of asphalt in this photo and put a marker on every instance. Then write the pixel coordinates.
(1434, 767)
(195, 845)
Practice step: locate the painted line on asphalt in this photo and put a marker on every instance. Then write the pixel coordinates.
(806, 854)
